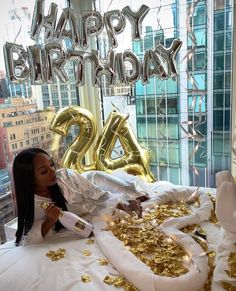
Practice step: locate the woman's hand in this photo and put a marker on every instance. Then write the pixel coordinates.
(133, 206)
(52, 213)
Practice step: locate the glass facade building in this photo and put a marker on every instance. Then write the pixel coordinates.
(185, 123)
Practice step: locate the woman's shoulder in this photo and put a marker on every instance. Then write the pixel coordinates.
(66, 173)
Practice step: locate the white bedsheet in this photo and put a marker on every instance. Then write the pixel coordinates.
(27, 268)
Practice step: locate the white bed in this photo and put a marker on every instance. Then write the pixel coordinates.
(28, 268)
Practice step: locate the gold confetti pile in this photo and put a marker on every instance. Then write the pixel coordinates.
(227, 286)
(232, 266)
(119, 281)
(161, 212)
(161, 253)
(56, 255)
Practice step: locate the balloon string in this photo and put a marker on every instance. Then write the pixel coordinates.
(19, 31)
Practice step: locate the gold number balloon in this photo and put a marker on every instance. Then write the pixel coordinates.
(61, 123)
(106, 142)
(135, 158)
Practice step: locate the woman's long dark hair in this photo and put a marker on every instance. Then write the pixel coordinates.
(23, 175)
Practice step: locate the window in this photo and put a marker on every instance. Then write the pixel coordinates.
(219, 62)
(218, 81)
(219, 4)
(219, 21)
(218, 100)
(199, 16)
(197, 62)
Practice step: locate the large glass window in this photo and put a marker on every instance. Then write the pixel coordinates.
(171, 116)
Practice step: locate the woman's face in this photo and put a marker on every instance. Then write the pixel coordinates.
(44, 171)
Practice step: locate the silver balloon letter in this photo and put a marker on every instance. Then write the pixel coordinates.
(132, 58)
(111, 29)
(169, 55)
(15, 61)
(56, 58)
(68, 17)
(39, 20)
(99, 69)
(37, 61)
(136, 19)
(120, 68)
(79, 57)
(153, 64)
(88, 29)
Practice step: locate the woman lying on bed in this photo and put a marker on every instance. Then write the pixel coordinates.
(36, 180)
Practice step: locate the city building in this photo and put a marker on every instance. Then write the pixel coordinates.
(59, 95)
(4, 92)
(22, 126)
(7, 212)
(185, 122)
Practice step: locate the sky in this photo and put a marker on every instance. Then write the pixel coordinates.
(8, 33)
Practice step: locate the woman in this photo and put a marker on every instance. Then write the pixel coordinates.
(36, 180)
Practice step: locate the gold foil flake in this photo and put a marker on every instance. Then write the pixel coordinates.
(213, 199)
(232, 266)
(56, 255)
(103, 262)
(119, 282)
(227, 286)
(90, 241)
(87, 253)
(213, 217)
(189, 229)
(108, 280)
(86, 278)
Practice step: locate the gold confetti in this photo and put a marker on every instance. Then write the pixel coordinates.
(232, 266)
(108, 280)
(103, 262)
(56, 255)
(227, 286)
(87, 253)
(141, 237)
(90, 241)
(213, 217)
(85, 278)
(119, 282)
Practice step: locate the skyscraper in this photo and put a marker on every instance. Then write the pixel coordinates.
(186, 122)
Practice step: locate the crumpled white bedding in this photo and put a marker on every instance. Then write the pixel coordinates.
(27, 267)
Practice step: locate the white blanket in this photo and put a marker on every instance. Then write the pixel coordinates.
(27, 268)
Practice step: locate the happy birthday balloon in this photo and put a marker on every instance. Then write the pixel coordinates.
(16, 62)
(112, 29)
(136, 18)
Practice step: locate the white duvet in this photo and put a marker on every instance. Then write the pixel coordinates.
(27, 268)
